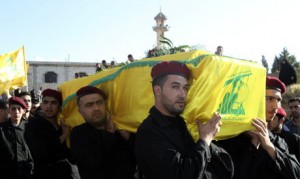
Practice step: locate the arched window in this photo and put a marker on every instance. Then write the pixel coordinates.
(50, 77)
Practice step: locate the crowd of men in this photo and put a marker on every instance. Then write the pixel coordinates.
(33, 143)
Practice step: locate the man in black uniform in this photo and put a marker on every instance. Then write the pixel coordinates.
(99, 150)
(15, 158)
(164, 148)
(47, 140)
(259, 153)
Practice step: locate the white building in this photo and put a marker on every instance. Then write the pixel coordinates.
(52, 74)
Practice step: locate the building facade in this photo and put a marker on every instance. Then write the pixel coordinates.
(52, 74)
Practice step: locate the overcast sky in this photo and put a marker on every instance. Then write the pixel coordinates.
(93, 30)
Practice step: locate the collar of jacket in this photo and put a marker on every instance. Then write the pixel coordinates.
(161, 119)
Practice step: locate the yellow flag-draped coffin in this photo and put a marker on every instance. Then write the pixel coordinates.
(233, 87)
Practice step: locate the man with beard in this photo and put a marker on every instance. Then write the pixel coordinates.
(164, 148)
(47, 140)
(259, 153)
(99, 150)
(294, 123)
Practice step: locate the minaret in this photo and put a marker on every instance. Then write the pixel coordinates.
(160, 27)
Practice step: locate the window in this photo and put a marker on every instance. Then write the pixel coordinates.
(50, 77)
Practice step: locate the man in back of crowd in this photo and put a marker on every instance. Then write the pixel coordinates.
(99, 150)
(27, 99)
(219, 51)
(294, 123)
(3, 110)
(292, 140)
(35, 107)
(15, 158)
(260, 153)
(46, 139)
(130, 58)
(164, 148)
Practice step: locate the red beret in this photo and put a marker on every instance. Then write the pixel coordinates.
(52, 93)
(275, 83)
(170, 68)
(18, 101)
(90, 90)
(281, 112)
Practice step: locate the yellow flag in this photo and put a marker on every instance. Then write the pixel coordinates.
(220, 84)
(13, 69)
(234, 88)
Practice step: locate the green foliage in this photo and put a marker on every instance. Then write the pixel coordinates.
(276, 65)
(166, 48)
(265, 63)
(167, 41)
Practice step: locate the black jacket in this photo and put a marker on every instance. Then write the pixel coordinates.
(252, 163)
(293, 142)
(165, 149)
(49, 155)
(101, 154)
(15, 158)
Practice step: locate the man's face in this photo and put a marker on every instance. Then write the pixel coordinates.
(50, 107)
(27, 100)
(3, 114)
(130, 59)
(16, 112)
(93, 109)
(273, 102)
(274, 125)
(34, 107)
(294, 109)
(173, 94)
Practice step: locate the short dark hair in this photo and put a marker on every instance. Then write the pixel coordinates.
(24, 93)
(297, 99)
(160, 81)
(129, 56)
(3, 104)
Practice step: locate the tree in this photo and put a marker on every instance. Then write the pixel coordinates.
(276, 65)
(265, 63)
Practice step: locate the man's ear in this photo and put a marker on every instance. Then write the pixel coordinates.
(157, 90)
